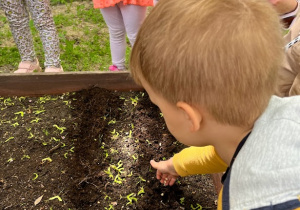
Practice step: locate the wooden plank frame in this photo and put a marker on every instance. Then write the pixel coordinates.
(36, 84)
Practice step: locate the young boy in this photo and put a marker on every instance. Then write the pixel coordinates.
(211, 67)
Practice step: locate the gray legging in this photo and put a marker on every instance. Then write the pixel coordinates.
(17, 14)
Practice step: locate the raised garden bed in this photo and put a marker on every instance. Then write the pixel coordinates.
(90, 149)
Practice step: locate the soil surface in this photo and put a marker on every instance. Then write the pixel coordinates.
(90, 150)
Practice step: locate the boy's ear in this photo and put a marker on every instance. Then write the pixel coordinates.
(192, 114)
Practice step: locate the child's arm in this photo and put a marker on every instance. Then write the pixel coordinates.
(190, 161)
(165, 171)
(198, 160)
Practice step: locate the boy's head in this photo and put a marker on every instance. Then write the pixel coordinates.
(220, 55)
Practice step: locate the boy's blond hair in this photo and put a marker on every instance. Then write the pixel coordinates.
(220, 54)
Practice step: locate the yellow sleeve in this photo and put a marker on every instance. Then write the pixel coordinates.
(198, 160)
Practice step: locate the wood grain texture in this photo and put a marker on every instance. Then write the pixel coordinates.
(35, 84)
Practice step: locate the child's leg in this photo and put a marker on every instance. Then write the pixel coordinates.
(133, 17)
(114, 21)
(18, 18)
(43, 21)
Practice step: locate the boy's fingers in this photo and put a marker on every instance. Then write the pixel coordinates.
(172, 181)
(154, 164)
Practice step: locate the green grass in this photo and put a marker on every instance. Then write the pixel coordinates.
(83, 36)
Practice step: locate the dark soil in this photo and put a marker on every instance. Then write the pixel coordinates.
(91, 149)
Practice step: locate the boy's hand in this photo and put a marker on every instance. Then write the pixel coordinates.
(165, 171)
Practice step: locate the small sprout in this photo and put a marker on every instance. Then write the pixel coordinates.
(161, 114)
(149, 143)
(46, 132)
(25, 156)
(108, 172)
(63, 144)
(35, 176)
(72, 149)
(28, 129)
(135, 157)
(10, 138)
(110, 207)
(182, 200)
(164, 158)
(197, 207)
(112, 122)
(55, 139)
(132, 126)
(130, 134)
(47, 159)
(30, 135)
(142, 191)
(142, 179)
(66, 155)
(61, 129)
(38, 111)
(15, 124)
(36, 120)
(131, 198)
(55, 197)
(106, 197)
(21, 98)
(19, 113)
(118, 179)
(130, 175)
(134, 101)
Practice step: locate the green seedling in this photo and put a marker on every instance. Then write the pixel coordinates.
(30, 135)
(10, 160)
(106, 197)
(61, 129)
(149, 143)
(112, 122)
(38, 111)
(118, 179)
(132, 126)
(182, 200)
(135, 157)
(8, 102)
(21, 113)
(72, 149)
(66, 155)
(161, 114)
(10, 138)
(109, 173)
(15, 124)
(131, 198)
(197, 207)
(55, 197)
(118, 168)
(46, 132)
(130, 175)
(21, 98)
(47, 159)
(35, 176)
(110, 207)
(134, 101)
(141, 179)
(28, 129)
(130, 134)
(25, 156)
(142, 191)
(36, 120)
(55, 139)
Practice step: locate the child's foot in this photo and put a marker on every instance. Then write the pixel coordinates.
(54, 69)
(113, 68)
(28, 67)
